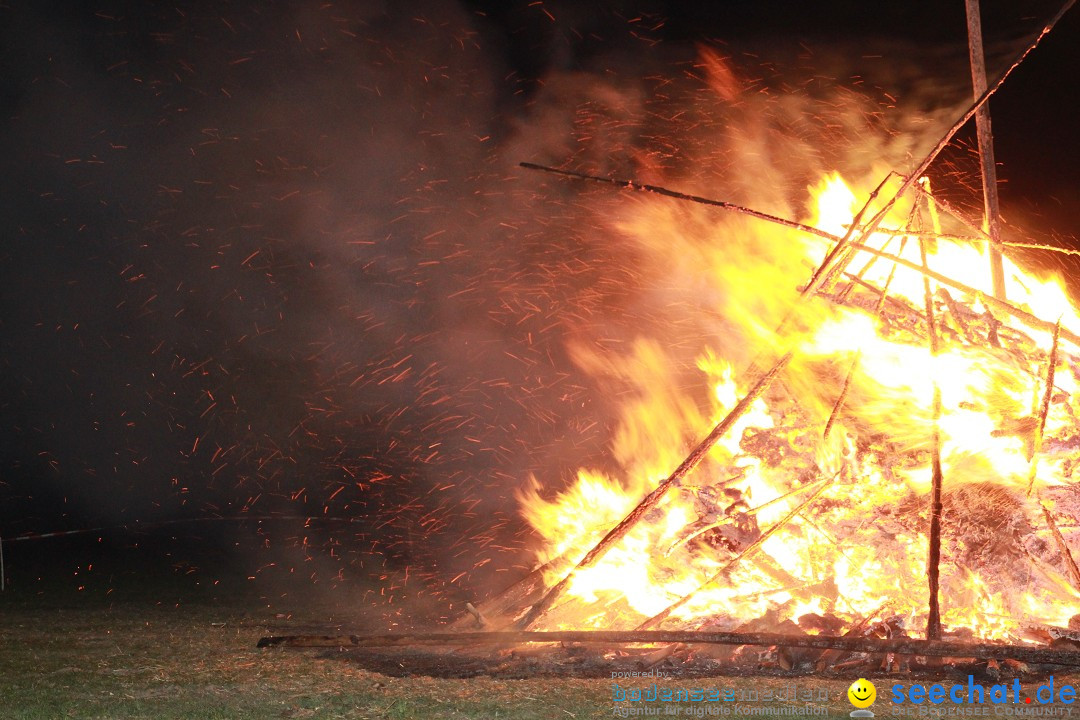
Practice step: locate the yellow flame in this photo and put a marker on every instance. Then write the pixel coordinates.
(861, 549)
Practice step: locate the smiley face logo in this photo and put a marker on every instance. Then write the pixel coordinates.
(862, 693)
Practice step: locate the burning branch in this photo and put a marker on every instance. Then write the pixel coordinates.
(666, 192)
(858, 279)
(653, 499)
(481, 621)
(830, 267)
(1037, 246)
(510, 601)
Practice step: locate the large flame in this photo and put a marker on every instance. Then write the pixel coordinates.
(860, 549)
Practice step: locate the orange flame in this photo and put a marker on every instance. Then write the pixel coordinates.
(861, 548)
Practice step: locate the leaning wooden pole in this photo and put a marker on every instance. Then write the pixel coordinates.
(653, 499)
(985, 136)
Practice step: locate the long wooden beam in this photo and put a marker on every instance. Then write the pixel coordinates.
(902, 646)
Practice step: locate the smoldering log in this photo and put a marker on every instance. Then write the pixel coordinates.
(902, 646)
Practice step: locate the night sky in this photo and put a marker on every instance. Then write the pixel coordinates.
(279, 259)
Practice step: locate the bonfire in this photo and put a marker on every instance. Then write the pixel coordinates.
(894, 465)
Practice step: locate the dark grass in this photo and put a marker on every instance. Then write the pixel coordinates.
(168, 629)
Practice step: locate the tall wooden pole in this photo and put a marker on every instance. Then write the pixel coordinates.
(933, 617)
(986, 147)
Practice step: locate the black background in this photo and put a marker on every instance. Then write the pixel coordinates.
(217, 248)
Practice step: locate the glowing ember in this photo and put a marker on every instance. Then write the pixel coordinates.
(858, 551)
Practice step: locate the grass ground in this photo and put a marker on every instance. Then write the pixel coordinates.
(155, 648)
(133, 660)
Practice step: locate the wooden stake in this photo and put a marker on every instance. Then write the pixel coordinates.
(1037, 246)
(933, 617)
(653, 499)
(915, 175)
(933, 562)
(991, 218)
(1044, 411)
(481, 621)
(952, 237)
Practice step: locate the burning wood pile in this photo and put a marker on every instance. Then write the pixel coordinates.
(915, 401)
(899, 462)
(897, 456)
(896, 462)
(813, 529)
